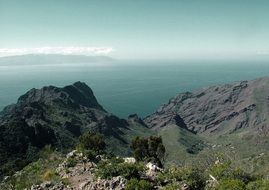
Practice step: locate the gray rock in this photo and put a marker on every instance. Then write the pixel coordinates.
(217, 110)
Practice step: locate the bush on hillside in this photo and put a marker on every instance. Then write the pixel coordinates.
(231, 184)
(194, 177)
(259, 184)
(91, 144)
(35, 173)
(135, 184)
(226, 171)
(117, 167)
(149, 149)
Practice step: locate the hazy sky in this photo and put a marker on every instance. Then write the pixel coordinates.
(137, 28)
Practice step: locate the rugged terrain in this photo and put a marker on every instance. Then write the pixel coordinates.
(226, 122)
(218, 110)
(231, 118)
(57, 117)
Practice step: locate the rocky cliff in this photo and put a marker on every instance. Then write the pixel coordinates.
(217, 110)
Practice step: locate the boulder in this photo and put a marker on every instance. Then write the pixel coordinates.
(130, 160)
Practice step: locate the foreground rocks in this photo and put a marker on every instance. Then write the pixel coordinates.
(117, 183)
(81, 175)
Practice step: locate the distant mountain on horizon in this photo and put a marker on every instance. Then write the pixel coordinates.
(51, 59)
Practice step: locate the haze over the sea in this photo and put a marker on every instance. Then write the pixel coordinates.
(159, 47)
(127, 87)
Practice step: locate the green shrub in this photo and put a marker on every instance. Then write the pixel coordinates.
(149, 149)
(243, 176)
(194, 178)
(91, 144)
(116, 167)
(92, 141)
(171, 186)
(135, 184)
(71, 162)
(221, 171)
(49, 175)
(195, 148)
(231, 184)
(90, 154)
(170, 175)
(258, 185)
(36, 172)
(225, 171)
(47, 151)
(65, 181)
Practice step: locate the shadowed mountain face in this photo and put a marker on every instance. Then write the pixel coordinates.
(74, 96)
(58, 116)
(218, 110)
(229, 120)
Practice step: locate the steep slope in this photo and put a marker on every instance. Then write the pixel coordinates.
(231, 120)
(220, 110)
(57, 117)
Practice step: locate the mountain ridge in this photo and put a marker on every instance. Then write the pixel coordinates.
(230, 120)
(57, 117)
(204, 110)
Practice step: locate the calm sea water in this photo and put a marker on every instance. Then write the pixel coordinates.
(128, 87)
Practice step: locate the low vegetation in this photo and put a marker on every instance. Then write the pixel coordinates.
(219, 176)
(135, 184)
(36, 172)
(117, 167)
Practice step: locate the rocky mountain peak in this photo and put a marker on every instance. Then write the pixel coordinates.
(57, 117)
(76, 95)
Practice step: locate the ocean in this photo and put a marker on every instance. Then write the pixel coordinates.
(128, 87)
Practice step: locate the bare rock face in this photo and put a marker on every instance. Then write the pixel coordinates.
(47, 185)
(135, 119)
(218, 109)
(162, 119)
(117, 183)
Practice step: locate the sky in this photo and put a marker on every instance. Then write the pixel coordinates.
(136, 29)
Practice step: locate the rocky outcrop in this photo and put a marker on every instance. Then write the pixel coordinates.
(218, 109)
(81, 176)
(161, 119)
(135, 119)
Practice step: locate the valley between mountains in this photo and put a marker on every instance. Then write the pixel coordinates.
(218, 123)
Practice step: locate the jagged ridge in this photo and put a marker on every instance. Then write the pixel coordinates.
(58, 116)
